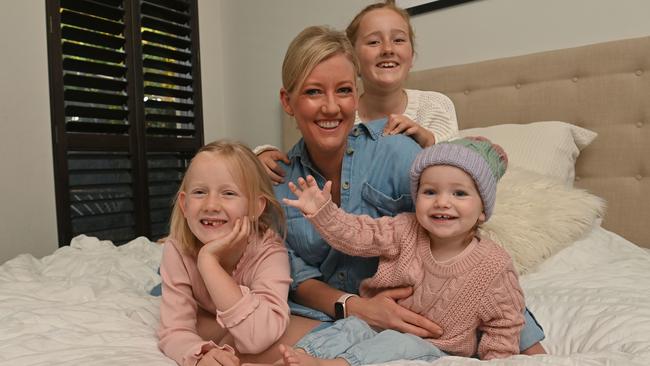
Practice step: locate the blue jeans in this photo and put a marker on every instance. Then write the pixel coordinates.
(354, 341)
(531, 333)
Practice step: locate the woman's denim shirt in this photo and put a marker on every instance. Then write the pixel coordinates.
(374, 181)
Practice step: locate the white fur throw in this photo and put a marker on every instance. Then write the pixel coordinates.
(536, 216)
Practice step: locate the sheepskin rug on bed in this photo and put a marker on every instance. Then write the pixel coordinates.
(536, 216)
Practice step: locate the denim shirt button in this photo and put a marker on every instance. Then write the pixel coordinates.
(349, 151)
(356, 132)
(346, 185)
(341, 276)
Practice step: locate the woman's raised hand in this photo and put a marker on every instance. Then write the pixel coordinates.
(399, 123)
(310, 197)
(382, 311)
(269, 159)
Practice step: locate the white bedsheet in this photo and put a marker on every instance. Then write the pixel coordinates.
(88, 304)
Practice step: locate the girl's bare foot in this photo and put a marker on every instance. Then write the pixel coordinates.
(298, 357)
(290, 356)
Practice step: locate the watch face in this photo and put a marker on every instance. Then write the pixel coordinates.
(339, 310)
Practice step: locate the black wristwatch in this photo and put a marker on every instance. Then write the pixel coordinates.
(340, 311)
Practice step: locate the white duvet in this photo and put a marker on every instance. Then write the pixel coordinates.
(88, 304)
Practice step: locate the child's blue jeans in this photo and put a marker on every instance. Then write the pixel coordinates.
(353, 340)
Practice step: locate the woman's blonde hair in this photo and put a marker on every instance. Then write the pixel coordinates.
(250, 177)
(310, 47)
(352, 30)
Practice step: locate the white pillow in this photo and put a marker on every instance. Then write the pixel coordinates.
(536, 216)
(548, 148)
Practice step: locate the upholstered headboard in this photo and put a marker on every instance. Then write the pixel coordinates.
(602, 87)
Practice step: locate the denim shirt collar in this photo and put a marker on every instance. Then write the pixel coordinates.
(374, 129)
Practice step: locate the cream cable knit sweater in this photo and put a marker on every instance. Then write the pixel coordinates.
(433, 110)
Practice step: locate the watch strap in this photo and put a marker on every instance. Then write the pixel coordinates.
(340, 309)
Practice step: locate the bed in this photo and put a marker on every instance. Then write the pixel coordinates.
(582, 201)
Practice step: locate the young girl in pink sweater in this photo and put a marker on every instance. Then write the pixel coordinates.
(464, 283)
(223, 259)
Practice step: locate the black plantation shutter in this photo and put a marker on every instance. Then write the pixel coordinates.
(126, 112)
(171, 89)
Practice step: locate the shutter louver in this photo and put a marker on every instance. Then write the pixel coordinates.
(94, 71)
(170, 112)
(101, 195)
(165, 172)
(167, 61)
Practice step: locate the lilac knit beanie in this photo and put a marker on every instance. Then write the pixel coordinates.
(477, 156)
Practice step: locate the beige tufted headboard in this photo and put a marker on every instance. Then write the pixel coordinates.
(603, 87)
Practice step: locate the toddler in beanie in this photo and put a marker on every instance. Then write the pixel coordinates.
(461, 282)
(484, 161)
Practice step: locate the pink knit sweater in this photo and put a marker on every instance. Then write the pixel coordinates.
(477, 290)
(255, 321)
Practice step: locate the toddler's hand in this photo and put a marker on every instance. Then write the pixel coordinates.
(310, 197)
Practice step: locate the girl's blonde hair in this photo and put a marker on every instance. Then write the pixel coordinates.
(352, 30)
(251, 178)
(310, 47)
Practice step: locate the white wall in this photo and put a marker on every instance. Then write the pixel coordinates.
(242, 43)
(210, 39)
(27, 208)
(255, 36)
(487, 29)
